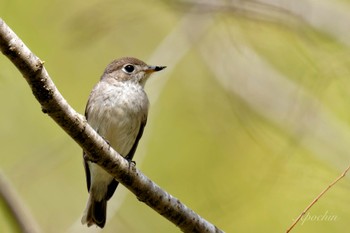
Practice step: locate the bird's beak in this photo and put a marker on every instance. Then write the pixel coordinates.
(151, 69)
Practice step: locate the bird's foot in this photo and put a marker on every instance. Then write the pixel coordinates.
(131, 162)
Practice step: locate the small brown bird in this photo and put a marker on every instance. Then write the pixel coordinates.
(117, 109)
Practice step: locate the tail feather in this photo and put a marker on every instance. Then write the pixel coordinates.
(95, 212)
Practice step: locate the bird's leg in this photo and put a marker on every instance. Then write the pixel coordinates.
(131, 162)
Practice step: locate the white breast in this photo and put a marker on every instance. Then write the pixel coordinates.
(116, 112)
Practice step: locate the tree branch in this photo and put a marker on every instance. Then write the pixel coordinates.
(98, 151)
(13, 203)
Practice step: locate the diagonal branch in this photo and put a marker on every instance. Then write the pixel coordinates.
(15, 207)
(75, 125)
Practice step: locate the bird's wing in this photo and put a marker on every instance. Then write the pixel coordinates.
(86, 166)
(114, 184)
(131, 153)
(87, 172)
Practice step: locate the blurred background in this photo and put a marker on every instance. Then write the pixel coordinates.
(247, 125)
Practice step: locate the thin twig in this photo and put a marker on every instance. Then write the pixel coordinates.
(16, 207)
(317, 198)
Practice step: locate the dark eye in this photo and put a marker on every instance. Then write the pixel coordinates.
(128, 68)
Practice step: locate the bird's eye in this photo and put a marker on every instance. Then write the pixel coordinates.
(128, 68)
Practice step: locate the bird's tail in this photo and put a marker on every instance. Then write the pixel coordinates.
(95, 212)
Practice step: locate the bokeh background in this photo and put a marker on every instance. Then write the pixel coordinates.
(248, 124)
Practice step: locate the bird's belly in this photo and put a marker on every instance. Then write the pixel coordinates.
(118, 119)
(120, 129)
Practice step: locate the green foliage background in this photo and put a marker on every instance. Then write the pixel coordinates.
(205, 144)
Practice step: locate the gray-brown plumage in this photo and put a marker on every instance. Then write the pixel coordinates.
(117, 109)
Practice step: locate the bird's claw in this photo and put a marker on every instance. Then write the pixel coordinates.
(131, 163)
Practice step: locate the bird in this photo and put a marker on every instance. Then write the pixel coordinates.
(117, 109)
